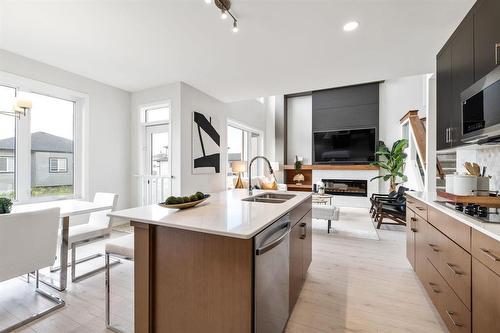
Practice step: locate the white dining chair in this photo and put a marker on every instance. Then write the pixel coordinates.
(97, 228)
(122, 248)
(28, 242)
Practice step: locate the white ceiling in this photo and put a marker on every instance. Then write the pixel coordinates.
(283, 46)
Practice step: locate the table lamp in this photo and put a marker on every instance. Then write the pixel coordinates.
(239, 167)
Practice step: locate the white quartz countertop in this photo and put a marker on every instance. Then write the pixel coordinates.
(490, 229)
(224, 213)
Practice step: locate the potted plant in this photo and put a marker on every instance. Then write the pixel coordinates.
(5, 205)
(392, 161)
(299, 177)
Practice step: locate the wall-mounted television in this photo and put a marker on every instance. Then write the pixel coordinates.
(350, 146)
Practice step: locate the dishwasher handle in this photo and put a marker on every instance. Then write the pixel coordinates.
(276, 242)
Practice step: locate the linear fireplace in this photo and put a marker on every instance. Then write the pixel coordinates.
(347, 187)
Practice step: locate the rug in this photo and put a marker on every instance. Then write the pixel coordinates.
(352, 223)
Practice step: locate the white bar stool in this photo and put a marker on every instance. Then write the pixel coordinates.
(123, 248)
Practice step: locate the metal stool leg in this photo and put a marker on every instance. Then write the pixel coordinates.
(107, 297)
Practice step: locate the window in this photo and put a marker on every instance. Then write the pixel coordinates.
(37, 150)
(6, 164)
(58, 165)
(243, 145)
(157, 114)
(7, 144)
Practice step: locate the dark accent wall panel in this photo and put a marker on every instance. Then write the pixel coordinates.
(346, 108)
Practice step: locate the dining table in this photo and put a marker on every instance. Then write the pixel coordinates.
(68, 208)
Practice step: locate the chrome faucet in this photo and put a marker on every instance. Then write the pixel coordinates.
(250, 189)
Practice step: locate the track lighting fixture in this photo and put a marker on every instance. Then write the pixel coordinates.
(225, 9)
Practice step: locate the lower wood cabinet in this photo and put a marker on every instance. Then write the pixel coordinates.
(410, 236)
(300, 256)
(454, 313)
(485, 299)
(451, 261)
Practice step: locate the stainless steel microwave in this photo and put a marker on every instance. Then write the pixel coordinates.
(481, 109)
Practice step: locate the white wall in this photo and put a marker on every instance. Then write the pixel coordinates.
(108, 139)
(299, 126)
(193, 99)
(397, 97)
(270, 136)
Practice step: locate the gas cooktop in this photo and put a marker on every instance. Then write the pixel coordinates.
(483, 214)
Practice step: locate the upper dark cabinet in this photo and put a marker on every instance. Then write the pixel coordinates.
(455, 73)
(486, 36)
(462, 73)
(471, 52)
(444, 100)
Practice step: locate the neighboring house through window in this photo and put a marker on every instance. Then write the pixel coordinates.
(38, 157)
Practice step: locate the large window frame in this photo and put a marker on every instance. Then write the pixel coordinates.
(247, 149)
(23, 139)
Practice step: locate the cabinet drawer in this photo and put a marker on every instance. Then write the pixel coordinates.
(454, 313)
(455, 230)
(452, 262)
(298, 212)
(486, 299)
(417, 206)
(486, 250)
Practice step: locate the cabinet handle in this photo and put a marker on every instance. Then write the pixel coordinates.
(433, 285)
(497, 53)
(490, 255)
(433, 247)
(450, 315)
(420, 208)
(450, 266)
(447, 137)
(412, 228)
(304, 228)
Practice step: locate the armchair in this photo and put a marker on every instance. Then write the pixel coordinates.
(28, 243)
(393, 209)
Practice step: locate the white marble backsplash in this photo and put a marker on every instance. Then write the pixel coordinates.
(490, 157)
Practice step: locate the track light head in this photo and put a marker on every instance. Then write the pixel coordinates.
(235, 26)
(223, 14)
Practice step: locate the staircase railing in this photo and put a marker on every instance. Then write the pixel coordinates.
(418, 132)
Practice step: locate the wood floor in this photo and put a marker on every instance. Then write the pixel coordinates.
(353, 285)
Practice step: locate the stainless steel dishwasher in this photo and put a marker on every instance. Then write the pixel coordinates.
(272, 277)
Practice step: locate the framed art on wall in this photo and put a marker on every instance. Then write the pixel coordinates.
(206, 144)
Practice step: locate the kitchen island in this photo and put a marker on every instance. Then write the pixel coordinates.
(227, 265)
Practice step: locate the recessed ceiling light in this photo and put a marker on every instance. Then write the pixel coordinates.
(208, 2)
(350, 26)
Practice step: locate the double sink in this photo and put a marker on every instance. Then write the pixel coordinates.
(275, 198)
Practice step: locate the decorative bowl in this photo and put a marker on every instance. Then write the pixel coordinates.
(185, 204)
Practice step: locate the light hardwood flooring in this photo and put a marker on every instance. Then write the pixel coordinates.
(353, 285)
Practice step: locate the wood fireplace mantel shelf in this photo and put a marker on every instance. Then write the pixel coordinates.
(334, 167)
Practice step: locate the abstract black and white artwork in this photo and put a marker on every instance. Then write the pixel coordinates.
(206, 144)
